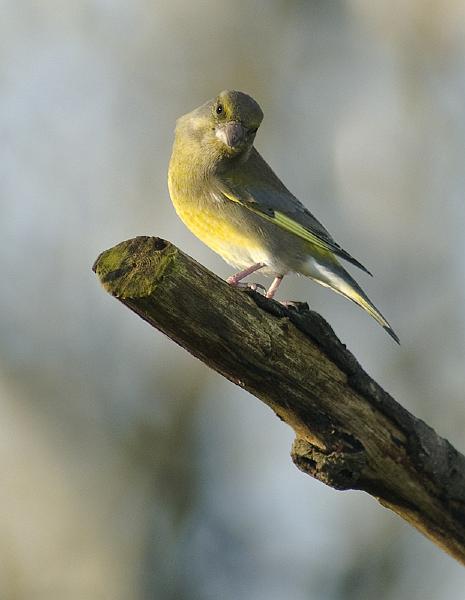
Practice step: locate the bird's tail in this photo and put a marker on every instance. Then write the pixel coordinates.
(331, 274)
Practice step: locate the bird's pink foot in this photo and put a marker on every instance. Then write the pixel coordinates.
(274, 286)
(235, 279)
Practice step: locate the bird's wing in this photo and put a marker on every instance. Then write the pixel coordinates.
(268, 197)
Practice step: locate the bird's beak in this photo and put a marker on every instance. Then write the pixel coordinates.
(232, 134)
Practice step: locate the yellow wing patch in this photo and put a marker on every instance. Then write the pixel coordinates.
(284, 222)
(293, 227)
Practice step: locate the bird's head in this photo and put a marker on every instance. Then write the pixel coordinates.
(235, 118)
(222, 128)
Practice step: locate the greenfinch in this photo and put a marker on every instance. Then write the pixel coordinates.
(230, 198)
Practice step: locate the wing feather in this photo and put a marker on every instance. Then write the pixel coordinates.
(272, 201)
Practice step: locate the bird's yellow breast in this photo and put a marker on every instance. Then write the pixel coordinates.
(214, 226)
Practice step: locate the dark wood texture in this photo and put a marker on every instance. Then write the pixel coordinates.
(350, 434)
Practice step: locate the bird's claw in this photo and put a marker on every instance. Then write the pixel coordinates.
(242, 285)
(295, 305)
(256, 287)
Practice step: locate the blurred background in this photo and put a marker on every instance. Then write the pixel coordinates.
(128, 470)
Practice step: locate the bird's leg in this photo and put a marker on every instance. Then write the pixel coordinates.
(274, 286)
(234, 279)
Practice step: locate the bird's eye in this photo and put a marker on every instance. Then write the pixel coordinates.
(219, 109)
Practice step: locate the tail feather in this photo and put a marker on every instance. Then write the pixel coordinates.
(334, 276)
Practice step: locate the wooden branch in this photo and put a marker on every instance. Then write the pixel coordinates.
(350, 434)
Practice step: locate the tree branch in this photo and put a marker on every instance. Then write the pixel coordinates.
(350, 434)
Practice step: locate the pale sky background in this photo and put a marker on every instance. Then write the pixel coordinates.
(128, 469)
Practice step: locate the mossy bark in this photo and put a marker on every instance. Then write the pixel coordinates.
(350, 434)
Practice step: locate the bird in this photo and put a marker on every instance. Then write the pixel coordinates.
(231, 199)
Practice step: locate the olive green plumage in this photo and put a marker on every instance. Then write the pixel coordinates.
(231, 199)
